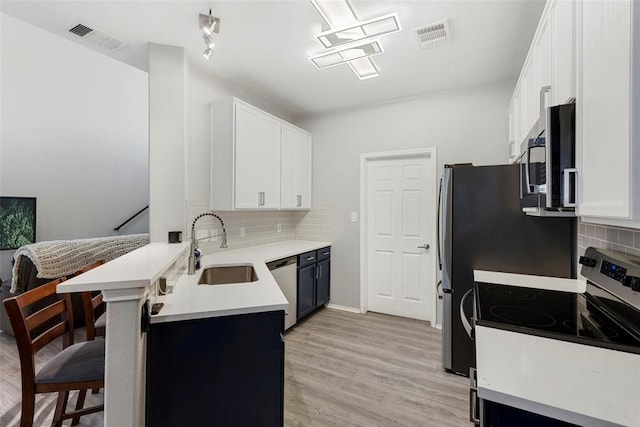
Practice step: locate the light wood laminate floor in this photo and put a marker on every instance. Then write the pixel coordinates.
(346, 369)
(341, 369)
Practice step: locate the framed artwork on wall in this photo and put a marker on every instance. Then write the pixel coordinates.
(17, 222)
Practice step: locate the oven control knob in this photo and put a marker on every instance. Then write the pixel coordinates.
(633, 282)
(587, 262)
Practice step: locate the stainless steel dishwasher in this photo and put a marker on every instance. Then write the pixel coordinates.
(285, 271)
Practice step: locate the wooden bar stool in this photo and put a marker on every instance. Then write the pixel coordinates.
(77, 367)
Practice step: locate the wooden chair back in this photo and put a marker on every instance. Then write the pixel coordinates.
(91, 302)
(36, 330)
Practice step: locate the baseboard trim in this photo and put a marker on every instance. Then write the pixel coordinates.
(344, 308)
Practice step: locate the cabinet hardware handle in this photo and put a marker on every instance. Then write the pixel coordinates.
(425, 246)
(311, 258)
(317, 273)
(299, 196)
(259, 198)
(326, 253)
(263, 198)
(473, 398)
(320, 273)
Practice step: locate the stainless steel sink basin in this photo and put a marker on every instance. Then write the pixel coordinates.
(228, 275)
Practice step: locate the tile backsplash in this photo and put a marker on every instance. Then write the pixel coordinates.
(625, 240)
(260, 227)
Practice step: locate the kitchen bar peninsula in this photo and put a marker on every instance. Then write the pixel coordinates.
(127, 282)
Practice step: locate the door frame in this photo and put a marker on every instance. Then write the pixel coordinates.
(365, 158)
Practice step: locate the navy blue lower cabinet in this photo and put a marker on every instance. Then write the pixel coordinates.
(220, 371)
(314, 280)
(323, 273)
(499, 415)
(306, 290)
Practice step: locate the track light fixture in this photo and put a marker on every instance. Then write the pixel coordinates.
(209, 25)
(208, 41)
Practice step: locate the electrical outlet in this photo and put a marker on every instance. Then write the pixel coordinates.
(214, 232)
(279, 228)
(201, 234)
(243, 232)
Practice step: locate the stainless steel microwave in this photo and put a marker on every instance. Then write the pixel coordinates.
(548, 165)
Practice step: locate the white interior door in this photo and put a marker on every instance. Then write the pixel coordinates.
(400, 241)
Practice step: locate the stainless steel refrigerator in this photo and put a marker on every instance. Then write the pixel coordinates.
(482, 227)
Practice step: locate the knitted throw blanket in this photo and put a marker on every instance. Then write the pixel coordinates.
(57, 258)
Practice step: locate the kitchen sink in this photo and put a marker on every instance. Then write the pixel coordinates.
(228, 275)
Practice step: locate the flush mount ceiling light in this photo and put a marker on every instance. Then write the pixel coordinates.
(347, 54)
(387, 24)
(345, 27)
(364, 68)
(209, 25)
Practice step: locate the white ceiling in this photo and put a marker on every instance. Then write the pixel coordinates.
(263, 45)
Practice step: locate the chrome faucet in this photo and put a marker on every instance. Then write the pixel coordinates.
(194, 241)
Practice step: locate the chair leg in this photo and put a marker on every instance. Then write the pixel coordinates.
(79, 405)
(61, 406)
(28, 408)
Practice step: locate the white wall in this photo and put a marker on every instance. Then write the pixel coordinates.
(74, 134)
(466, 125)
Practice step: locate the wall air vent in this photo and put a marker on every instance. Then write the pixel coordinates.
(433, 35)
(97, 38)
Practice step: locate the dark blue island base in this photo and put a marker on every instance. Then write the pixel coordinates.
(220, 371)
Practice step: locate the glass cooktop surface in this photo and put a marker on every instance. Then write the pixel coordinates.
(592, 319)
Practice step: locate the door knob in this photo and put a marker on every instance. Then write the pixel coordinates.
(425, 246)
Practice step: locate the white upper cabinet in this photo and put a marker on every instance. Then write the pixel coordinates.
(530, 94)
(549, 64)
(562, 51)
(296, 168)
(515, 126)
(608, 114)
(544, 55)
(257, 160)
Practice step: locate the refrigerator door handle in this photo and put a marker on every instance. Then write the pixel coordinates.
(463, 317)
(439, 225)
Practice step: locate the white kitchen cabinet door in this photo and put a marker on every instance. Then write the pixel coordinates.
(604, 115)
(296, 168)
(515, 120)
(257, 159)
(303, 170)
(530, 95)
(563, 52)
(543, 59)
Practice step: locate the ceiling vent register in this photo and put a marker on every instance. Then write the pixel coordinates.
(97, 38)
(433, 35)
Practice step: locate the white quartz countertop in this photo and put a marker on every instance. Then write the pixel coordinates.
(585, 385)
(192, 301)
(137, 269)
(531, 281)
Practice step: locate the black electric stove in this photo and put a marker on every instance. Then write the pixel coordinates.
(607, 315)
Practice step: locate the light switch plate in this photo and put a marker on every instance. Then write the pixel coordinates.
(354, 216)
(201, 234)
